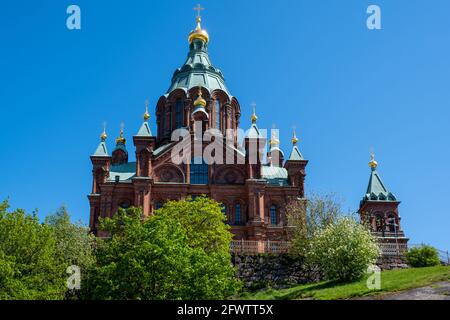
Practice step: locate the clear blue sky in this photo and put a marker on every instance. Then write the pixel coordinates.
(312, 64)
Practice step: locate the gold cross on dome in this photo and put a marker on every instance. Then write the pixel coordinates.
(199, 9)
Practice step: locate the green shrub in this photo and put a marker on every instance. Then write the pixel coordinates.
(423, 256)
(343, 250)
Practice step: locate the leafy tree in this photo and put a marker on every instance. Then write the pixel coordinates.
(74, 243)
(423, 256)
(30, 264)
(309, 216)
(343, 250)
(177, 254)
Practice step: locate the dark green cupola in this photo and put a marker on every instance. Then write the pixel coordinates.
(198, 70)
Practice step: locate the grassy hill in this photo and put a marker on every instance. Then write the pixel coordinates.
(391, 281)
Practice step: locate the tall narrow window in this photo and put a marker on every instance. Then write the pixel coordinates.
(217, 114)
(224, 211)
(199, 171)
(237, 214)
(273, 215)
(178, 114)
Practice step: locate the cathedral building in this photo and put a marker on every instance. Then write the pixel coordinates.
(253, 194)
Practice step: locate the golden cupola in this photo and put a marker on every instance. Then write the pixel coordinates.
(200, 101)
(373, 164)
(199, 33)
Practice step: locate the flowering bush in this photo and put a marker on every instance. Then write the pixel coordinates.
(343, 250)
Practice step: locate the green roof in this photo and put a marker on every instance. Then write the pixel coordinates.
(376, 190)
(125, 172)
(144, 131)
(101, 150)
(296, 155)
(198, 71)
(275, 175)
(253, 132)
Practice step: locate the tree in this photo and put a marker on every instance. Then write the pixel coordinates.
(74, 243)
(309, 216)
(423, 256)
(343, 249)
(30, 264)
(177, 254)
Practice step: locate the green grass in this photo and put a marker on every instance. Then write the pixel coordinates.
(391, 281)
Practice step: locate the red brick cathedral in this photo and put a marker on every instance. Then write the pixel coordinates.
(254, 194)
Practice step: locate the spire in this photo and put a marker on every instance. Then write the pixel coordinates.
(198, 32)
(376, 190)
(145, 131)
(296, 155)
(253, 132)
(101, 150)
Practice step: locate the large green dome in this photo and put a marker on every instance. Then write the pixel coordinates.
(198, 71)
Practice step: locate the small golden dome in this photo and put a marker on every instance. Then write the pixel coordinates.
(199, 33)
(103, 136)
(121, 139)
(200, 101)
(295, 140)
(146, 114)
(254, 116)
(373, 163)
(274, 141)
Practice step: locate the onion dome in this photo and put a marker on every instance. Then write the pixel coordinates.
(199, 33)
(373, 164)
(294, 140)
(103, 136)
(200, 101)
(274, 141)
(121, 141)
(254, 117)
(146, 114)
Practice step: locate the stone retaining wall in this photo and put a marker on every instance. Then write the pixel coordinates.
(281, 270)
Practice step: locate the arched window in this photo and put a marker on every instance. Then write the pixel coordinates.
(392, 223)
(223, 207)
(199, 171)
(217, 110)
(273, 215)
(158, 205)
(178, 114)
(237, 214)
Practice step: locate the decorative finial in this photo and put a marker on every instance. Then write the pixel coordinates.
(146, 114)
(294, 138)
(199, 33)
(373, 163)
(254, 116)
(200, 101)
(274, 141)
(121, 139)
(104, 136)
